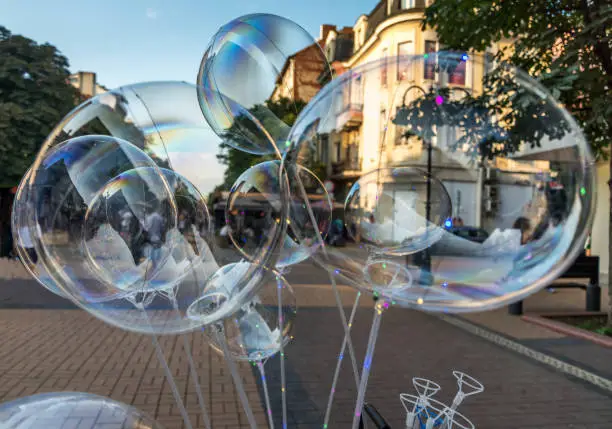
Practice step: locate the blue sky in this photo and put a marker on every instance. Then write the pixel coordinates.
(128, 41)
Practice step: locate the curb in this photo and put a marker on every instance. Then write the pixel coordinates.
(543, 358)
(566, 329)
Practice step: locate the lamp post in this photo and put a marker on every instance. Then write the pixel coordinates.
(421, 121)
(402, 118)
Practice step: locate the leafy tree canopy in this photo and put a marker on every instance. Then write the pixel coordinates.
(238, 161)
(34, 96)
(565, 44)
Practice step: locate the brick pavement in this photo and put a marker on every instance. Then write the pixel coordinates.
(68, 350)
(51, 350)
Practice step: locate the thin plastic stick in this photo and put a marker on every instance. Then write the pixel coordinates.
(332, 279)
(367, 364)
(171, 382)
(279, 291)
(237, 380)
(347, 330)
(339, 363)
(264, 382)
(164, 363)
(196, 383)
(192, 369)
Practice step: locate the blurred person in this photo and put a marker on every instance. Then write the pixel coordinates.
(524, 225)
(457, 222)
(154, 227)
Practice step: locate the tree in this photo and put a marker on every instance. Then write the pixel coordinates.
(238, 161)
(565, 44)
(34, 96)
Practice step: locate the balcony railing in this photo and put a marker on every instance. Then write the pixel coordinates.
(347, 167)
(350, 117)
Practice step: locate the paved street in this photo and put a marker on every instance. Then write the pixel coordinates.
(61, 349)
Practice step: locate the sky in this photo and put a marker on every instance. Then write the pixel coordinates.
(128, 41)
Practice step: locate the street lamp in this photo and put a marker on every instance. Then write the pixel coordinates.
(403, 118)
(420, 119)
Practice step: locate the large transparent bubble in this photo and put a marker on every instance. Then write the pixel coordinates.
(516, 166)
(401, 219)
(165, 121)
(75, 240)
(60, 410)
(127, 231)
(248, 64)
(254, 207)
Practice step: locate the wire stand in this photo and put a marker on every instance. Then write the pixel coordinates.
(236, 377)
(379, 307)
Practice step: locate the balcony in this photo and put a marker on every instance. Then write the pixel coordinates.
(351, 117)
(346, 169)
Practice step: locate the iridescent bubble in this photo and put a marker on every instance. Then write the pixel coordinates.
(165, 121)
(397, 211)
(253, 211)
(127, 230)
(104, 261)
(515, 164)
(254, 331)
(64, 197)
(247, 64)
(59, 410)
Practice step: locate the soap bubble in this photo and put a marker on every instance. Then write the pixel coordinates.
(388, 209)
(515, 164)
(253, 211)
(247, 64)
(59, 410)
(127, 230)
(64, 192)
(253, 331)
(104, 265)
(165, 121)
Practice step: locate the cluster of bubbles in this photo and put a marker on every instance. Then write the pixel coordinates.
(129, 211)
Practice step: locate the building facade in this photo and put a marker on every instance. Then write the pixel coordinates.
(364, 141)
(86, 83)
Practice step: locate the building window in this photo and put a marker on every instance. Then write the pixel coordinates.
(408, 4)
(457, 77)
(383, 69)
(325, 150)
(430, 59)
(404, 66)
(383, 127)
(357, 92)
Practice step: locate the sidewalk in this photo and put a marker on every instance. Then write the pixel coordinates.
(60, 350)
(520, 392)
(575, 351)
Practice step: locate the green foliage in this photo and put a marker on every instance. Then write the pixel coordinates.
(238, 161)
(34, 96)
(565, 44)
